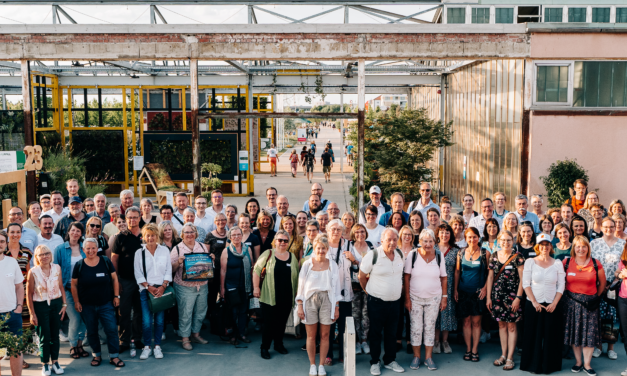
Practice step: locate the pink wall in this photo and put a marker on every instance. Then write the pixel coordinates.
(597, 142)
(578, 46)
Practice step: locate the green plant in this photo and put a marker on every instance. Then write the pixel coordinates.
(14, 344)
(70, 165)
(212, 182)
(102, 153)
(176, 156)
(560, 178)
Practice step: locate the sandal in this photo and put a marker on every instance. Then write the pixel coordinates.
(474, 357)
(328, 362)
(509, 365)
(74, 353)
(233, 341)
(95, 362)
(187, 345)
(467, 355)
(119, 363)
(500, 361)
(82, 352)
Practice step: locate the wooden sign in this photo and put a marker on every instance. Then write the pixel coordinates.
(33, 158)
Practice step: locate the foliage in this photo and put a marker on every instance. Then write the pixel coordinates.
(103, 152)
(176, 155)
(11, 130)
(398, 145)
(212, 182)
(63, 166)
(15, 345)
(49, 141)
(109, 118)
(560, 178)
(8, 191)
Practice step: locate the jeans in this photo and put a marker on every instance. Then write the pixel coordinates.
(622, 318)
(147, 320)
(76, 327)
(383, 318)
(49, 322)
(130, 303)
(346, 310)
(240, 318)
(105, 314)
(192, 304)
(13, 324)
(274, 322)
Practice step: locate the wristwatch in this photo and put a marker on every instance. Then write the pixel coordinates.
(117, 296)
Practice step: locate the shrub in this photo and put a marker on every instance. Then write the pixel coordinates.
(69, 165)
(560, 178)
(15, 345)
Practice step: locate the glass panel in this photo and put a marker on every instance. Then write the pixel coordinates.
(456, 15)
(563, 84)
(591, 84)
(504, 15)
(600, 14)
(578, 85)
(619, 84)
(480, 15)
(552, 84)
(541, 84)
(605, 84)
(621, 15)
(576, 14)
(553, 15)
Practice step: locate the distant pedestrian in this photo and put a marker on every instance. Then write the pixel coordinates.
(308, 162)
(294, 162)
(326, 159)
(303, 154)
(273, 158)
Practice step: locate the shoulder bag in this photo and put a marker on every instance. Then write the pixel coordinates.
(165, 301)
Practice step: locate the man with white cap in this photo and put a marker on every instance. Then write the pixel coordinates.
(375, 199)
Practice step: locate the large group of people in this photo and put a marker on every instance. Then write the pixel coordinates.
(551, 283)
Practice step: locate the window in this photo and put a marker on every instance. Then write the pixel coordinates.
(552, 84)
(504, 15)
(621, 15)
(600, 14)
(456, 15)
(553, 15)
(600, 84)
(480, 15)
(576, 14)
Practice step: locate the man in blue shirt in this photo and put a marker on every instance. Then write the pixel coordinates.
(522, 203)
(398, 203)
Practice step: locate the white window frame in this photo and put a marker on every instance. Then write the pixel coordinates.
(515, 16)
(564, 12)
(482, 7)
(571, 75)
(446, 8)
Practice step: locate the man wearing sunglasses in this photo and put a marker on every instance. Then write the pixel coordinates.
(425, 203)
(76, 215)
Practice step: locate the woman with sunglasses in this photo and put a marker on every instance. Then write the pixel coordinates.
(94, 230)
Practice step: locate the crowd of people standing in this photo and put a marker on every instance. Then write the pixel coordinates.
(551, 283)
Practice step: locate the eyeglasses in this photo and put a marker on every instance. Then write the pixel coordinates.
(335, 229)
(425, 190)
(93, 225)
(282, 240)
(132, 218)
(334, 210)
(45, 254)
(189, 233)
(370, 215)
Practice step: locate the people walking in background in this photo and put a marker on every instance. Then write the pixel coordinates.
(294, 162)
(273, 158)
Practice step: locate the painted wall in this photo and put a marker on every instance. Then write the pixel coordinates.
(597, 142)
(578, 46)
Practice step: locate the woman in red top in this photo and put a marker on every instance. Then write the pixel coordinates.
(585, 281)
(621, 273)
(294, 162)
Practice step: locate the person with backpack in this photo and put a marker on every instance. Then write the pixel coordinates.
(309, 160)
(96, 295)
(471, 274)
(359, 247)
(381, 276)
(406, 245)
(585, 283)
(294, 162)
(425, 296)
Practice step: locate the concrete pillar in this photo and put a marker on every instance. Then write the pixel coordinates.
(361, 119)
(443, 81)
(342, 134)
(251, 162)
(29, 140)
(346, 14)
(193, 94)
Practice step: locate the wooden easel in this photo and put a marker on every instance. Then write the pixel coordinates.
(33, 162)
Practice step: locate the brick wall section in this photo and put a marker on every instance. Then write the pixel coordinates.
(137, 46)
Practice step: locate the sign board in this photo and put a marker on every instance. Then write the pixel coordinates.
(302, 135)
(12, 161)
(138, 163)
(169, 196)
(243, 160)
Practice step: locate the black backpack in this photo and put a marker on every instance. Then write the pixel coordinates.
(438, 257)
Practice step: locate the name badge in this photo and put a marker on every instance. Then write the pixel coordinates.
(532, 253)
(288, 265)
(476, 262)
(508, 267)
(248, 243)
(572, 274)
(220, 242)
(100, 274)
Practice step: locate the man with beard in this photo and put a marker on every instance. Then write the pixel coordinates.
(316, 189)
(313, 206)
(46, 237)
(76, 215)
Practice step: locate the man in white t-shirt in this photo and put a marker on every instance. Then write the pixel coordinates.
(58, 211)
(384, 287)
(11, 298)
(273, 158)
(46, 237)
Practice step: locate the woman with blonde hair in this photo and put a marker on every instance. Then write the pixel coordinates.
(348, 219)
(406, 245)
(145, 206)
(46, 301)
(586, 212)
(616, 206)
(288, 223)
(510, 223)
(621, 222)
(94, 230)
(168, 236)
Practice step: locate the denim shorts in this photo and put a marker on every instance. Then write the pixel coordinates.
(14, 323)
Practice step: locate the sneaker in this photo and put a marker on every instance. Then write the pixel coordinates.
(375, 369)
(45, 370)
(304, 348)
(157, 352)
(431, 364)
(357, 348)
(436, 348)
(576, 368)
(63, 337)
(624, 373)
(365, 347)
(394, 366)
(590, 372)
(597, 352)
(612, 354)
(447, 348)
(321, 371)
(415, 363)
(313, 370)
(146, 352)
(56, 368)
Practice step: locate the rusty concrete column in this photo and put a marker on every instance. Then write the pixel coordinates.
(342, 134)
(29, 139)
(193, 94)
(361, 119)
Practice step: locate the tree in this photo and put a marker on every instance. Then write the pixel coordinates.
(398, 145)
(562, 175)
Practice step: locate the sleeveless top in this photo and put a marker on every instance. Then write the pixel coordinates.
(46, 288)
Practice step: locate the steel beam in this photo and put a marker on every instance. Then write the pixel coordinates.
(193, 93)
(277, 115)
(410, 17)
(399, 17)
(251, 161)
(217, 2)
(277, 14)
(237, 65)
(319, 14)
(66, 15)
(29, 139)
(135, 67)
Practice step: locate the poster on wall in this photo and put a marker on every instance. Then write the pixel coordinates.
(302, 135)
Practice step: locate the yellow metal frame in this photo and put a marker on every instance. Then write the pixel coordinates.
(59, 93)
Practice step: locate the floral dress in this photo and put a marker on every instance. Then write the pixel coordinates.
(505, 289)
(447, 319)
(609, 258)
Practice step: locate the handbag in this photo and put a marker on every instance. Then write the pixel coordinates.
(609, 334)
(610, 296)
(595, 303)
(232, 297)
(165, 301)
(262, 275)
